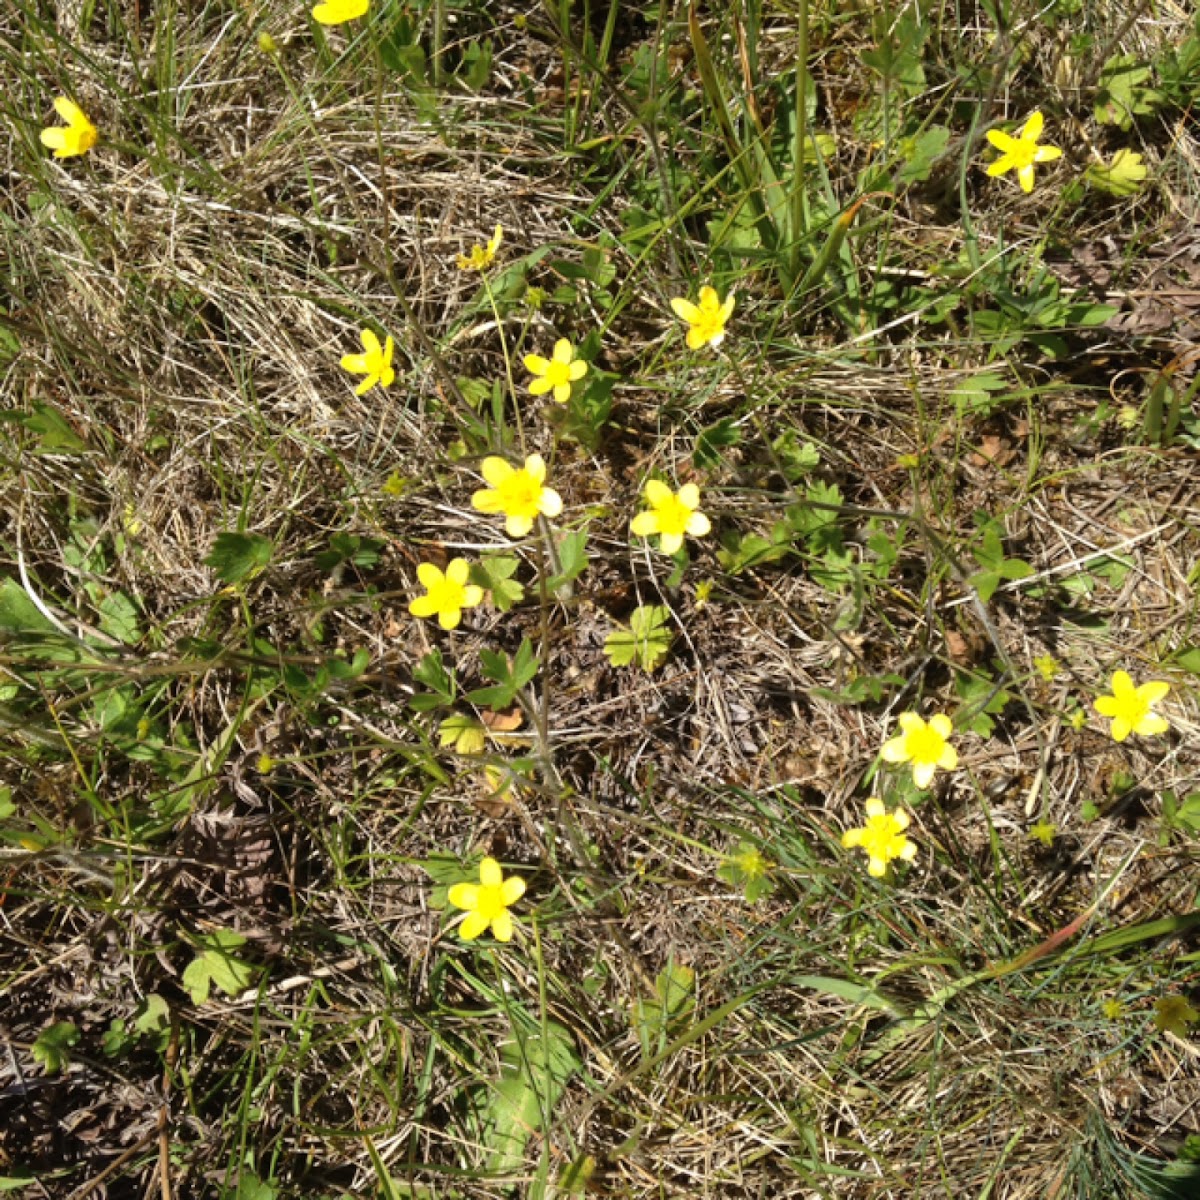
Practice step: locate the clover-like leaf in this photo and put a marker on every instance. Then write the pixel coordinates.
(52, 1047)
(216, 964)
(646, 640)
(1122, 176)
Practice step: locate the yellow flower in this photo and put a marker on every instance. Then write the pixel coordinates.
(77, 138)
(1173, 1014)
(487, 902)
(671, 514)
(555, 374)
(446, 595)
(375, 364)
(882, 837)
(926, 746)
(337, 12)
(518, 493)
(1131, 707)
(482, 257)
(1021, 152)
(706, 321)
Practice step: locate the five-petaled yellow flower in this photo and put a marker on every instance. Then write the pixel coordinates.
(882, 837)
(1131, 708)
(706, 320)
(375, 364)
(671, 514)
(487, 902)
(518, 493)
(1021, 152)
(337, 12)
(78, 137)
(926, 746)
(446, 595)
(482, 257)
(555, 374)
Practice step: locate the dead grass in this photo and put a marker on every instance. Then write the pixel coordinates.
(179, 302)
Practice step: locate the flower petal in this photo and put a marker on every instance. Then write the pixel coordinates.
(472, 927)
(1121, 729)
(895, 751)
(656, 492)
(577, 370)
(709, 300)
(502, 927)
(923, 773)
(356, 363)
(535, 468)
(685, 309)
(535, 364)
(852, 838)
(562, 393)
(875, 807)
(495, 470)
(490, 874)
(671, 543)
(1001, 140)
(1152, 724)
(366, 385)
(70, 111)
(1047, 154)
(370, 342)
(1122, 685)
(877, 867)
(563, 351)
(910, 722)
(1154, 691)
(908, 851)
(1033, 127)
(429, 575)
(423, 606)
(54, 138)
(518, 527)
(1025, 178)
(1001, 166)
(540, 386)
(941, 725)
(464, 895)
(458, 570)
(645, 524)
(472, 595)
(512, 889)
(487, 501)
(949, 759)
(449, 618)
(698, 525)
(551, 503)
(689, 496)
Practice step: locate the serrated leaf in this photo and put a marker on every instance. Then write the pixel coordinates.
(431, 672)
(494, 573)
(646, 640)
(464, 733)
(1122, 175)
(921, 152)
(713, 440)
(510, 677)
(52, 1047)
(572, 559)
(216, 964)
(154, 1017)
(119, 618)
(237, 556)
(54, 434)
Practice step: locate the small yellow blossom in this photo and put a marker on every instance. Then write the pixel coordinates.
(482, 257)
(671, 514)
(337, 12)
(518, 493)
(446, 595)
(882, 837)
(1021, 152)
(1044, 832)
(926, 746)
(1077, 719)
(1047, 667)
(1131, 708)
(267, 44)
(1173, 1014)
(1113, 1009)
(487, 902)
(706, 320)
(78, 137)
(555, 374)
(375, 364)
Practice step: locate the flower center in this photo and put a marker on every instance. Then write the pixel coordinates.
(1024, 153)
(490, 903)
(558, 373)
(926, 746)
(520, 495)
(883, 837)
(673, 515)
(447, 595)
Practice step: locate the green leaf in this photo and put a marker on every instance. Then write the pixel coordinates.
(713, 440)
(978, 395)
(432, 673)
(237, 556)
(534, 1070)
(153, 1019)
(119, 618)
(746, 868)
(509, 677)
(19, 614)
(52, 1047)
(494, 573)
(350, 548)
(54, 434)
(215, 964)
(921, 152)
(646, 640)
(795, 460)
(464, 733)
(572, 560)
(673, 1004)
(1122, 94)
(1123, 175)
(1188, 659)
